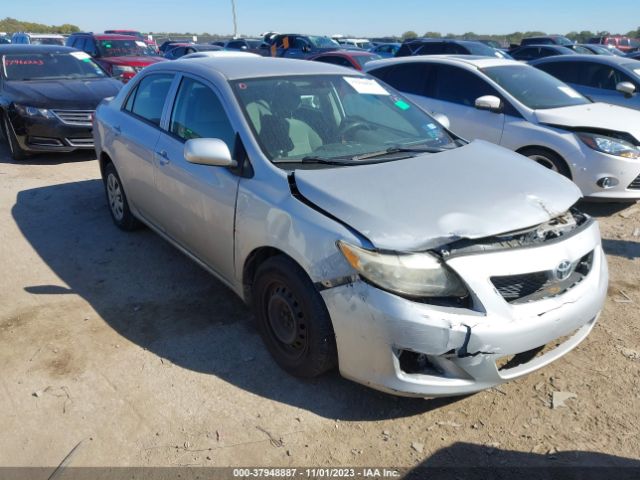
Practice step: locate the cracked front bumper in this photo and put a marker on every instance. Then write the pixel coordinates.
(373, 326)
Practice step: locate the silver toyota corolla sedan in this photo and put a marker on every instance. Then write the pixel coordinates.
(364, 234)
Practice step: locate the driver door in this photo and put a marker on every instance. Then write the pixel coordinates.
(198, 201)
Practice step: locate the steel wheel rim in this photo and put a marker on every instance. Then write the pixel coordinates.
(286, 322)
(114, 194)
(545, 162)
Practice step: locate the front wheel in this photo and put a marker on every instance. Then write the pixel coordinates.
(117, 200)
(292, 319)
(548, 159)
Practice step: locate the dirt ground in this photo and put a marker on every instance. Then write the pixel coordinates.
(120, 344)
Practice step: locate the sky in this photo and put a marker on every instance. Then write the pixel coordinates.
(354, 17)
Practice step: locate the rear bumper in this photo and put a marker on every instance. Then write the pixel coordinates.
(374, 328)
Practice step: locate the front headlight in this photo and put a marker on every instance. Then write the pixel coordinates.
(412, 274)
(610, 145)
(28, 111)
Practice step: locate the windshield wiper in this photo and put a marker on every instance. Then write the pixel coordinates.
(392, 150)
(314, 159)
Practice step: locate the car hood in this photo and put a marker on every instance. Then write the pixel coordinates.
(74, 94)
(601, 116)
(133, 61)
(474, 191)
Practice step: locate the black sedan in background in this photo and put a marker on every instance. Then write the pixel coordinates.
(181, 49)
(48, 95)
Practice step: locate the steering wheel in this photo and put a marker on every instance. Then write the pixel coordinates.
(350, 126)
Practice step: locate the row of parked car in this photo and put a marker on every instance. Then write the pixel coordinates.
(291, 181)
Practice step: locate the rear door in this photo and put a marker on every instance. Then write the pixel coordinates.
(136, 131)
(197, 201)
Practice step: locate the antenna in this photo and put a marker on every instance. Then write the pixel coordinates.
(235, 23)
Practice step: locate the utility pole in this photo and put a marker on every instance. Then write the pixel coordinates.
(235, 23)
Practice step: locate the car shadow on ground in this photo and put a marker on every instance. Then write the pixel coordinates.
(470, 461)
(46, 158)
(158, 299)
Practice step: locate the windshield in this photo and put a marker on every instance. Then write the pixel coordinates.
(362, 59)
(324, 42)
(47, 41)
(534, 88)
(477, 48)
(122, 48)
(50, 66)
(563, 41)
(334, 117)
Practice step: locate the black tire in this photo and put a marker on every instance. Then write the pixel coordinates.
(548, 159)
(17, 153)
(292, 319)
(117, 200)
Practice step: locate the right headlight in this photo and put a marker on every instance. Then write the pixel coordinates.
(610, 145)
(412, 274)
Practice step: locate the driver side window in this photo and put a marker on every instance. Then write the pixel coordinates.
(198, 113)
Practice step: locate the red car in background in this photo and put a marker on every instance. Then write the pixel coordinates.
(122, 56)
(346, 58)
(133, 33)
(620, 42)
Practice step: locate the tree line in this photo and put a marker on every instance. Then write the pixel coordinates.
(516, 37)
(11, 25)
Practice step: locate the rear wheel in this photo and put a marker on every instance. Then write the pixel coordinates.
(548, 159)
(293, 319)
(117, 200)
(17, 153)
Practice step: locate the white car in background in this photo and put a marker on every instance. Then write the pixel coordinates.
(517, 106)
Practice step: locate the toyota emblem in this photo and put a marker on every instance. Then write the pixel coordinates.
(563, 270)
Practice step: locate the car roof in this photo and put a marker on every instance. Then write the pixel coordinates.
(253, 66)
(347, 53)
(20, 48)
(42, 35)
(466, 60)
(545, 45)
(604, 59)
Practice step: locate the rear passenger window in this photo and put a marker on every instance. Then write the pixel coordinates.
(409, 78)
(565, 71)
(148, 99)
(456, 85)
(198, 113)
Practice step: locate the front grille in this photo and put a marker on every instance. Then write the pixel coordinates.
(75, 117)
(635, 185)
(534, 286)
(81, 142)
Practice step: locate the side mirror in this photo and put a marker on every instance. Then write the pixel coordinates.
(208, 151)
(490, 103)
(626, 88)
(306, 48)
(442, 120)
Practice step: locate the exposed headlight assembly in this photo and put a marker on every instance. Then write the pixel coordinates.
(411, 274)
(610, 145)
(28, 111)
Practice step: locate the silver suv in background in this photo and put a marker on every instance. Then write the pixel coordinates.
(37, 39)
(364, 234)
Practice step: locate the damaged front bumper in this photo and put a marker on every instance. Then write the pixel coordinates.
(463, 350)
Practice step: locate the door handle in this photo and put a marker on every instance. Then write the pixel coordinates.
(164, 157)
(117, 130)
